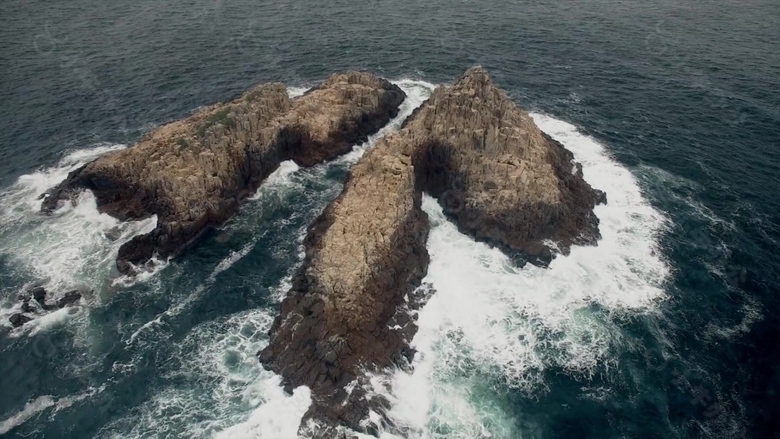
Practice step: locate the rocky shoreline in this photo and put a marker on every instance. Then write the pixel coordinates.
(498, 177)
(351, 308)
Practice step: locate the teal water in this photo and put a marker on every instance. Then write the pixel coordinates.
(667, 329)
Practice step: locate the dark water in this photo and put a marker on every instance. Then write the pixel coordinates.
(686, 95)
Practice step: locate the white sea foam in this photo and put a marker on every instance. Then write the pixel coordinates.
(416, 93)
(294, 92)
(30, 409)
(279, 416)
(279, 180)
(490, 319)
(41, 403)
(143, 273)
(229, 394)
(228, 262)
(52, 320)
(163, 317)
(196, 293)
(74, 246)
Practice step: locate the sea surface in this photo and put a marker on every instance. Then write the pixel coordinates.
(669, 328)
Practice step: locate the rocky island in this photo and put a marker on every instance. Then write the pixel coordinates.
(498, 177)
(194, 173)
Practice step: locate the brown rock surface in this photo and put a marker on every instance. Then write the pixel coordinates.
(194, 173)
(497, 175)
(364, 254)
(499, 178)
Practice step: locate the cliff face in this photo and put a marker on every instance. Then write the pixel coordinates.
(194, 173)
(499, 178)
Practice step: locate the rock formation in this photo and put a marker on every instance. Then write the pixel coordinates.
(364, 254)
(500, 180)
(194, 173)
(497, 175)
(36, 301)
(351, 306)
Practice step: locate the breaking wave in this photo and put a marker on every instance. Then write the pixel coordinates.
(490, 326)
(492, 322)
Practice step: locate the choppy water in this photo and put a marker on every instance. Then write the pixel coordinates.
(666, 329)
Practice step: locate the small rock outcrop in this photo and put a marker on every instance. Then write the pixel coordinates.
(36, 301)
(195, 173)
(499, 178)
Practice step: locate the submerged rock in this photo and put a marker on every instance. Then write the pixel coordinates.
(35, 303)
(499, 178)
(38, 293)
(19, 319)
(195, 173)
(69, 298)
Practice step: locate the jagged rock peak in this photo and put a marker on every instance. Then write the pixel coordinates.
(498, 176)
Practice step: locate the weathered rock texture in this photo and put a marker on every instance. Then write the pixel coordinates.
(363, 255)
(194, 173)
(499, 178)
(497, 175)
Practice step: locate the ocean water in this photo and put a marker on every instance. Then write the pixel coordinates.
(666, 329)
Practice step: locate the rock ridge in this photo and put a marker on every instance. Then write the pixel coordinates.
(194, 173)
(364, 255)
